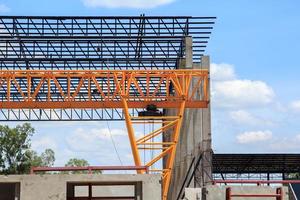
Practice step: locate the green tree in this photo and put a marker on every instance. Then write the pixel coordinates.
(14, 147)
(75, 162)
(46, 159)
(16, 157)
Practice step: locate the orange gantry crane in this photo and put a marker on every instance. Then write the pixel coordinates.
(175, 89)
(96, 63)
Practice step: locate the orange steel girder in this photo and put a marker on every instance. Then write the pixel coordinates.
(102, 89)
(178, 89)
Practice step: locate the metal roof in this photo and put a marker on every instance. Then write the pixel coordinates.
(256, 163)
(96, 42)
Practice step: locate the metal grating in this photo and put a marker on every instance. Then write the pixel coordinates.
(99, 42)
(256, 163)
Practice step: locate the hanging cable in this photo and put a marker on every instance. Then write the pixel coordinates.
(111, 137)
(144, 144)
(152, 152)
(114, 144)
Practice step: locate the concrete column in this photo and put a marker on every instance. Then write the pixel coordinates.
(195, 139)
(203, 175)
(184, 149)
(195, 136)
(188, 52)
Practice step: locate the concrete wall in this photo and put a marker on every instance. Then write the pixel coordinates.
(54, 187)
(218, 193)
(195, 137)
(193, 194)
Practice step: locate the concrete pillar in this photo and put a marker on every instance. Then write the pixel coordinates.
(187, 61)
(188, 53)
(195, 137)
(203, 175)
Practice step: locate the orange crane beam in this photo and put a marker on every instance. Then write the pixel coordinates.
(95, 104)
(100, 89)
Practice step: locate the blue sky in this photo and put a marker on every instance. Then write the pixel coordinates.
(256, 93)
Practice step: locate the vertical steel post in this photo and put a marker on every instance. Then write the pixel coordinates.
(171, 158)
(134, 148)
(279, 192)
(90, 191)
(228, 193)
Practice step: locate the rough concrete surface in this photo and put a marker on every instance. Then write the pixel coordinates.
(54, 187)
(195, 139)
(193, 193)
(219, 192)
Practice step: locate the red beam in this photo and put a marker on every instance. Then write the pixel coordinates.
(255, 195)
(257, 182)
(88, 168)
(278, 195)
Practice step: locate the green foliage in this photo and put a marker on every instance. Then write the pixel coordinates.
(16, 157)
(75, 162)
(46, 159)
(14, 146)
(293, 176)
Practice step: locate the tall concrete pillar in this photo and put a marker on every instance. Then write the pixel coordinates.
(188, 53)
(203, 172)
(195, 136)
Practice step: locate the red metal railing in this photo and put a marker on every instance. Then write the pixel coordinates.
(257, 182)
(278, 195)
(90, 169)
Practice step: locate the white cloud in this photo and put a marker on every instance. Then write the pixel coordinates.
(92, 139)
(126, 3)
(4, 8)
(95, 145)
(295, 105)
(286, 144)
(242, 116)
(246, 118)
(254, 136)
(230, 92)
(222, 72)
(241, 93)
(42, 143)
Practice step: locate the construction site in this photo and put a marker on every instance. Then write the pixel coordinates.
(145, 71)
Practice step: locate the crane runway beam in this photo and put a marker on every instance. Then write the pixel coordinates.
(79, 89)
